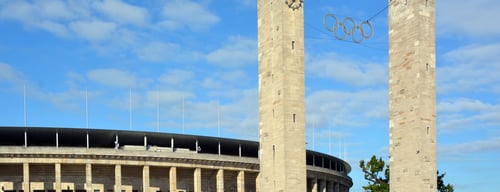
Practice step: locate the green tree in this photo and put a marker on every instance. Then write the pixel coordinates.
(440, 184)
(376, 172)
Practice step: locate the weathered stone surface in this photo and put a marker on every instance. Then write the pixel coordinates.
(412, 95)
(281, 96)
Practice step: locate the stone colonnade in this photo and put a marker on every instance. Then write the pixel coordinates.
(324, 185)
(61, 177)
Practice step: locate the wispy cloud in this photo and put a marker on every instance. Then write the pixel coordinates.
(463, 113)
(95, 30)
(347, 70)
(468, 18)
(473, 67)
(113, 78)
(237, 51)
(121, 12)
(187, 14)
(479, 146)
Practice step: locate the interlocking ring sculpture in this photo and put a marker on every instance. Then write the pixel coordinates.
(294, 4)
(348, 29)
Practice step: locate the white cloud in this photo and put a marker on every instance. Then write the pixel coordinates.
(464, 113)
(346, 109)
(472, 18)
(46, 15)
(9, 74)
(93, 30)
(237, 52)
(53, 27)
(226, 80)
(53, 9)
(122, 12)
(488, 145)
(473, 67)
(176, 77)
(347, 70)
(462, 105)
(113, 78)
(158, 52)
(187, 13)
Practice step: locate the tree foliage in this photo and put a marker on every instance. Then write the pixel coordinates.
(440, 184)
(376, 172)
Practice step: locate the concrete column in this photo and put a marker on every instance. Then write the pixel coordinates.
(330, 186)
(220, 180)
(118, 178)
(145, 178)
(173, 179)
(257, 183)
(322, 185)
(314, 184)
(240, 181)
(26, 177)
(88, 177)
(57, 186)
(197, 180)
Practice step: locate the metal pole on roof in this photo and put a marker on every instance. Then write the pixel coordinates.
(340, 147)
(158, 110)
(24, 95)
(130, 102)
(314, 135)
(330, 141)
(218, 119)
(86, 109)
(182, 114)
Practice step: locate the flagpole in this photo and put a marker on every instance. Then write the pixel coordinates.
(24, 95)
(218, 119)
(182, 114)
(314, 135)
(330, 141)
(130, 102)
(86, 109)
(158, 110)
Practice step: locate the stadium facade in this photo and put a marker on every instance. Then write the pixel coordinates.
(94, 160)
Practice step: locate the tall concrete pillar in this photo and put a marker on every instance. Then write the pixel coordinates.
(330, 186)
(88, 177)
(314, 185)
(173, 179)
(257, 183)
(412, 95)
(145, 178)
(26, 177)
(282, 125)
(240, 181)
(220, 180)
(322, 185)
(118, 177)
(197, 180)
(57, 184)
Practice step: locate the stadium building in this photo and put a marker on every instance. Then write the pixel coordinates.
(93, 160)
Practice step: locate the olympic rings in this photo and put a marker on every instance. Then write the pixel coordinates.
(349, 28)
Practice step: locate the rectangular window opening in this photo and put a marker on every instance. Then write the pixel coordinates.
(293, 45)
(294, 118)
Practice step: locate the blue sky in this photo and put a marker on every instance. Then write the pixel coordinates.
(205, 53)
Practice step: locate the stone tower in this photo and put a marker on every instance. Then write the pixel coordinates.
(412, 95)
(281, 96)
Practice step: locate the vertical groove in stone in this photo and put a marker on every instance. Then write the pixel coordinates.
(281, 97)
(412, 95)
